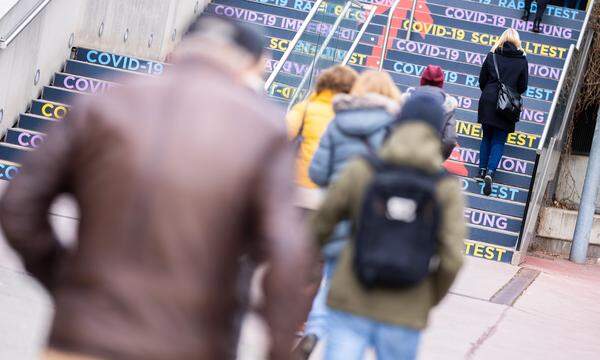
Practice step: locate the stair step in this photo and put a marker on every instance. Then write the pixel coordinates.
(8, 170)
(12, 153)
(49, 109)
(36, 123)
(60, 95)
(93, 71)
(121, 62)
(554, 14)
(24, 138)
(82, 84)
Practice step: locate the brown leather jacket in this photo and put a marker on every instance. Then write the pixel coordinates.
(176, 178)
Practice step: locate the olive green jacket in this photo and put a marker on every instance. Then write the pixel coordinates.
(412, 144)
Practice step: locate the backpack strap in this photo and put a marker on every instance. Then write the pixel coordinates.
(375, 161)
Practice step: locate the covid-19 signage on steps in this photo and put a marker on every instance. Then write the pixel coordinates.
(119, 61)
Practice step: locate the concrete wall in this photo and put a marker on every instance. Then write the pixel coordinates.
(142, 28)
(570, 181)
(43, 46)
(556, 229)
(45, 43)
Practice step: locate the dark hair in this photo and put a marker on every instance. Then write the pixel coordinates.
(245, 36)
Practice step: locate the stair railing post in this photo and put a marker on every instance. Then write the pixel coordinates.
(585, 218)
(309, 71)
(363, 29)
(412, 19)
(292, 44)
(388, 29)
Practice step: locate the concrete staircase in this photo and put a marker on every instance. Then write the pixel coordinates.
(455, 34)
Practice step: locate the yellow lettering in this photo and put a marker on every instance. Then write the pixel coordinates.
(468, 246)
(489, 253)
(45, 110)
(478, 250)
(501, 253)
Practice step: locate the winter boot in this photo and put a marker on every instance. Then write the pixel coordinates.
(481, 175)
(526, 14)
(536, 25)
(488, 182)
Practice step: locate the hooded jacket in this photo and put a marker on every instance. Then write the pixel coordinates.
(316, 112)
(514, 71)
(450, 104)
(411, 144)
(166, 212)
(359, 120)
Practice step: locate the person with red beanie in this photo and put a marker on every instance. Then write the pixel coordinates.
(432, 82)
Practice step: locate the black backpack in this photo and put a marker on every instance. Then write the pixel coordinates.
(397, 230)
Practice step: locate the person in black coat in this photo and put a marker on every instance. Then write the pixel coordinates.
(514, 72)
(539, 14)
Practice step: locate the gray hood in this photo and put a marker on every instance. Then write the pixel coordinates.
(363, 115)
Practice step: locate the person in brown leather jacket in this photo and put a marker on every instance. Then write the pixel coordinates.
(176, 178)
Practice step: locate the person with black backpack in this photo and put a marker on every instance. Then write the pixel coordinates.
(504, 77)
(407, 238)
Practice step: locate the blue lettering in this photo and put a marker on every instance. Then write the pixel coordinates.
(104, 59)
(89, 56)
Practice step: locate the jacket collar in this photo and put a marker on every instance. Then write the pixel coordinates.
(345, 102)
(510, 50)
(325, 96)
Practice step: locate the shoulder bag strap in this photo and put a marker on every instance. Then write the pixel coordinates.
(301, 128)
(496, 67)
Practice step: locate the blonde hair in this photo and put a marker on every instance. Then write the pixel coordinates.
(338, 79)
(509, 35)
(372, 81)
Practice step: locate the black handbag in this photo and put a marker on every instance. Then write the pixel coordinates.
(510, 102)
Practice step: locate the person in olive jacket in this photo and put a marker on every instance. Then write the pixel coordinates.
(514, 73)
(390, 320)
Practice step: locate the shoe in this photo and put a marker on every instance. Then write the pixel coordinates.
(480, 175)
(525, 16)
(305, 347)
(488, 182)
(536, 26)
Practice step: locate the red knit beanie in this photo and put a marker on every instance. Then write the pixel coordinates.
(433, 75)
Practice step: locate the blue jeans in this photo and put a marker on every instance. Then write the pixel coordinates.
(318, 318)
(351, 335)
(492, 147)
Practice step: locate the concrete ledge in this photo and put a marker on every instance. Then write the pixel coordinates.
(559, 224)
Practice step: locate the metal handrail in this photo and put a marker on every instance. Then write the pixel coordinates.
(308, 74)
(556, 98)
(292, 44)
(412, 20)
(361, 33)
(585, 23)
(5, 42)
(387, 33)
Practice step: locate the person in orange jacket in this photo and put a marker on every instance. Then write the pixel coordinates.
(307, 122)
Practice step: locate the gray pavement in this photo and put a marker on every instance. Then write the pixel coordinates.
(557, 317)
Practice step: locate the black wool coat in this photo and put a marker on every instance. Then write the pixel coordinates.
(514, 71)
